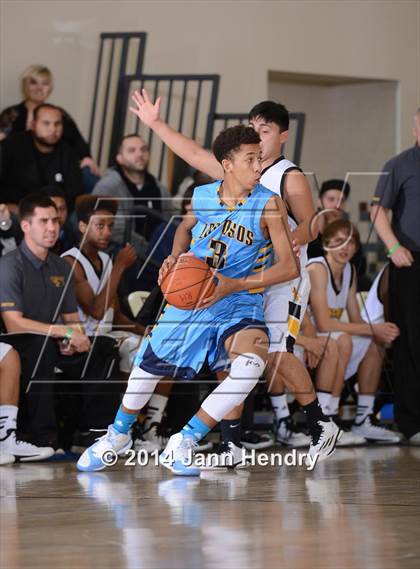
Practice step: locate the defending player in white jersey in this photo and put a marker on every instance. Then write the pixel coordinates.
(284, 304)
(360, 344)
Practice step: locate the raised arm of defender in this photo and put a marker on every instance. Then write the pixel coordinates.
(184, 147)
(297, 192)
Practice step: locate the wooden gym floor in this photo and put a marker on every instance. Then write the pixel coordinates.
(360, 509)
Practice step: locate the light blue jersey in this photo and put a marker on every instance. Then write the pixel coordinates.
(231, 240)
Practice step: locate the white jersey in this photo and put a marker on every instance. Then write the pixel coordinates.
(373, 309)
(336, 299)
(97, 282)
(273, 178)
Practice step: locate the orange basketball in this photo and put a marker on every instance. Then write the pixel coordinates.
(189, 281)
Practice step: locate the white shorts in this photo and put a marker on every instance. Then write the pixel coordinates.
(128, 345)
(360, 347)
(4, 350)
(284, 307)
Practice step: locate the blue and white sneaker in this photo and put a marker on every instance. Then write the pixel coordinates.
(105, 451)
(178, 456)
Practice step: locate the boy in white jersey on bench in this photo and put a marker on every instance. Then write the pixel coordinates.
(229, 324)
(96, 282)
(97, 278)
(285, 303)
(360, 344)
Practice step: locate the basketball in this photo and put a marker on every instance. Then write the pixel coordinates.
(189, 281)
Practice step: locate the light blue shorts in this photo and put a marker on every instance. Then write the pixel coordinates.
(182, 340)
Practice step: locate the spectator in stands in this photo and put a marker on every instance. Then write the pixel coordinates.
(10, 233)
(67, 236)
(398, 190)
(39, 311)
(333, 198)
(33, 159)
(134, 186)
(360, 344)
(36, 86)
(11, 447)
(97, 278)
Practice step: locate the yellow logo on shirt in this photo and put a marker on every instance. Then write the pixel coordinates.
(57, 281)
(336, 313)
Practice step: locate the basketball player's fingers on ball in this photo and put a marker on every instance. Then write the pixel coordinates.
(161, 275)
(206, 302)
(163, 271)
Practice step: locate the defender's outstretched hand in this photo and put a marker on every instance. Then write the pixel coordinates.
(144, 109)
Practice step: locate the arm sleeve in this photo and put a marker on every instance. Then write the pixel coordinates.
(10, 285)
(388, 187)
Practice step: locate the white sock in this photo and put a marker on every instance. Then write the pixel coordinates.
(333, 406)
(8, 417)
(155, 409)
(324, 398)
(280, 406)
(364, 407)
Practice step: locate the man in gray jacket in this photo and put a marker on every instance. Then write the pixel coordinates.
(131, 183)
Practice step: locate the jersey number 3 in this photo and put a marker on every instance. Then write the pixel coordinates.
(218, 259)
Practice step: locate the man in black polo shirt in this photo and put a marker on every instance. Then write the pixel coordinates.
(398, 190)
(37, 158)
(39, 311)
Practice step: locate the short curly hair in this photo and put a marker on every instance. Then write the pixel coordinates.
(230, 139)
(87, 205)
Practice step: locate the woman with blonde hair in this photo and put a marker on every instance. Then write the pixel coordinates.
(36, 85)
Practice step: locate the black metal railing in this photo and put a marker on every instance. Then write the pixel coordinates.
(120, 54)
(188, 105)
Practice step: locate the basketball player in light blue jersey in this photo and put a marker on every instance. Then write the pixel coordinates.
(236, 226)
(285, 303)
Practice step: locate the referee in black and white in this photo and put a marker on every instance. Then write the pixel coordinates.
(398, 190)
